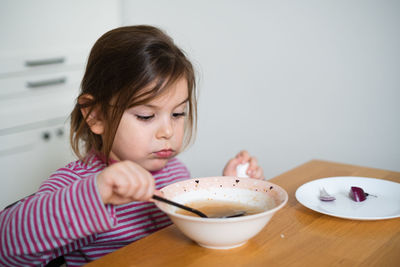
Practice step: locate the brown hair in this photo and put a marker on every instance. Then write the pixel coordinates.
(122, 63)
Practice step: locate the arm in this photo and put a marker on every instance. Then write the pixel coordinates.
(68, 211)
(53, 222)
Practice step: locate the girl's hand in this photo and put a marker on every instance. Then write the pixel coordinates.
(124, 182)
(254, 170)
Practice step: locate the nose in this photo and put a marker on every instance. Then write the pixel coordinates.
(165, 129)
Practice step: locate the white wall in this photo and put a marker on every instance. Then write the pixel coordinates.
(42, 26)
(288, 80)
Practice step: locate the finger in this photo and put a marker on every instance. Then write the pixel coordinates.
(156, 193)
(149, 192)
(133, 180)
(145, 190)
(253, 164)
(243, 156)
(145, 182)
(123, 188)
(230, 168)
(151, 188)
(258, 173)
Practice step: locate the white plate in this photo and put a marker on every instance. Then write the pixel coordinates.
(385, 206)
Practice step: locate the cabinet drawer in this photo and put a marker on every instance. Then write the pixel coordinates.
(20, 63)
(24, 139)
(28, 85)
(17, 112)
(28, 157)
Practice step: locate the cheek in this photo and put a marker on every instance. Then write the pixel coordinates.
(139, 138)
(179, 133)
(130, 135)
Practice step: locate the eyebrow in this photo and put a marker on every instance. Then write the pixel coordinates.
(153, 106)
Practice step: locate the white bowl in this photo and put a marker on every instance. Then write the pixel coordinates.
(223, 233)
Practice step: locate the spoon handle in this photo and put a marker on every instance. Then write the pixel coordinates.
(179, 206)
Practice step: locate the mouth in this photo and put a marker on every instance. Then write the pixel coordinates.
(164, 154)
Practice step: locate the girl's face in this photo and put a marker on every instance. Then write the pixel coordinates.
(152, 133)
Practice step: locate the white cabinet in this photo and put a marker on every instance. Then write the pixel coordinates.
(34, 137)
(29, 156)
(44, 45)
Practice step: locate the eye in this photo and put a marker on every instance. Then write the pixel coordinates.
(144, 118)
(179, 114)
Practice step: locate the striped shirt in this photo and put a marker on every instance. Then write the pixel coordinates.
(67, 217)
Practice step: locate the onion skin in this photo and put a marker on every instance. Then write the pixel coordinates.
(358, 194)
(324, 196)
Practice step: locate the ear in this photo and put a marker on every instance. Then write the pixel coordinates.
(94, 119)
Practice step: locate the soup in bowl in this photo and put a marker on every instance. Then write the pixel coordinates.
(251, 203)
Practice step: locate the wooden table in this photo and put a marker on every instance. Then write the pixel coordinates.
(295, 236)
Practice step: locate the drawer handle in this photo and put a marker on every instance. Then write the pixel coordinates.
(41, 62)
(44, 83)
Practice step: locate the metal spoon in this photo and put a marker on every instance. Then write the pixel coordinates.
(238, 214)
(199, 213)
(180, 206)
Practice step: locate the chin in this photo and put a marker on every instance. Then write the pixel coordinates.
(157, 164)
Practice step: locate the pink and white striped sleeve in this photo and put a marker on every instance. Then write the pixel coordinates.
(53, 223)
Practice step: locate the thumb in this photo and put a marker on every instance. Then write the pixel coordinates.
(230, 168)
(157, 193)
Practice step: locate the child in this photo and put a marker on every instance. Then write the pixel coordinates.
(135, 113)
